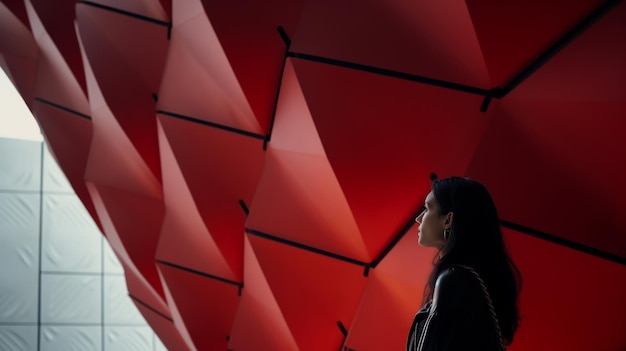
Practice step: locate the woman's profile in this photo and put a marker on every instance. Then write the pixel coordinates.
(470, 299)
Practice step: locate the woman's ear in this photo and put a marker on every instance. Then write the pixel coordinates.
(449, 218)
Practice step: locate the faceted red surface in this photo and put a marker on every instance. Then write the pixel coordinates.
(256, 166)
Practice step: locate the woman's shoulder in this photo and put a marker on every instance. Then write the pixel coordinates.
(455, 286)
(456, 274)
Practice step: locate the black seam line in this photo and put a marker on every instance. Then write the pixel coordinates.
(390, 73)
(150, 308)
(60, 107)
(397, 238)
(89, 274)
(284, 36)
(211, 124)
(75, 324)
(102, 292)
(305, 247)
(343, 329)
(34, 324)
(206, 275)
(592, 18)
(30, 192)
(564, 242)
(344, 332)
(244, 207)
(40, 253)
(126, 13)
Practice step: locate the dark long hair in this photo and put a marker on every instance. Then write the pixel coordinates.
(476, 240)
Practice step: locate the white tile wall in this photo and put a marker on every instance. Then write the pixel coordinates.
(128, 339)
(18, 338)
(20, 165)
(71, 239)
(18, 297)
(158, 345)
(111, 263)
(71, 298)
(53, 177)
(19, 214)
(118, 308)
(19, 257)
(74, 338)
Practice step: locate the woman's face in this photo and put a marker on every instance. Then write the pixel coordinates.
(431, 224)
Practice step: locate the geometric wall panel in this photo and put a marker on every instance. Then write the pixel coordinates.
(257, 167)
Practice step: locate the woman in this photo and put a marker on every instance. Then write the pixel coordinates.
(470, 299)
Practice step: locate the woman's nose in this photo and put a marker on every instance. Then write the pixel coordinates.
(418, 219)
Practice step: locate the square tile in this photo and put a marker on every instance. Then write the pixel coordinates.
(20, 165)
(19, 257)
(18, 338)
(19, 214)
(71, 298)
(66, 338)
(128, 339)
(53, 177)
(71, 239)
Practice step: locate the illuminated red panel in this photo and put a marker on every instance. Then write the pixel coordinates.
(259, 323)
(192, 298)
(57, 18)
(384, 136)
(323, 289)
(206, 173)
(127, 56)
(198, 80)
(247, 32)
(393, 296)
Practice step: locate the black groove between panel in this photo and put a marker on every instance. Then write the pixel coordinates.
(40, 253)
(211, 124)
(306, 247)
(202, 274)
(390, 73)
(564, 242)
(150, 308)
(284, 36)
(126, 13)
(60, 107)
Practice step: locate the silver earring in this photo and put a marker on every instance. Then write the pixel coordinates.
(446, 234)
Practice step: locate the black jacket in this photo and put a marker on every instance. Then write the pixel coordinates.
(458, 318)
